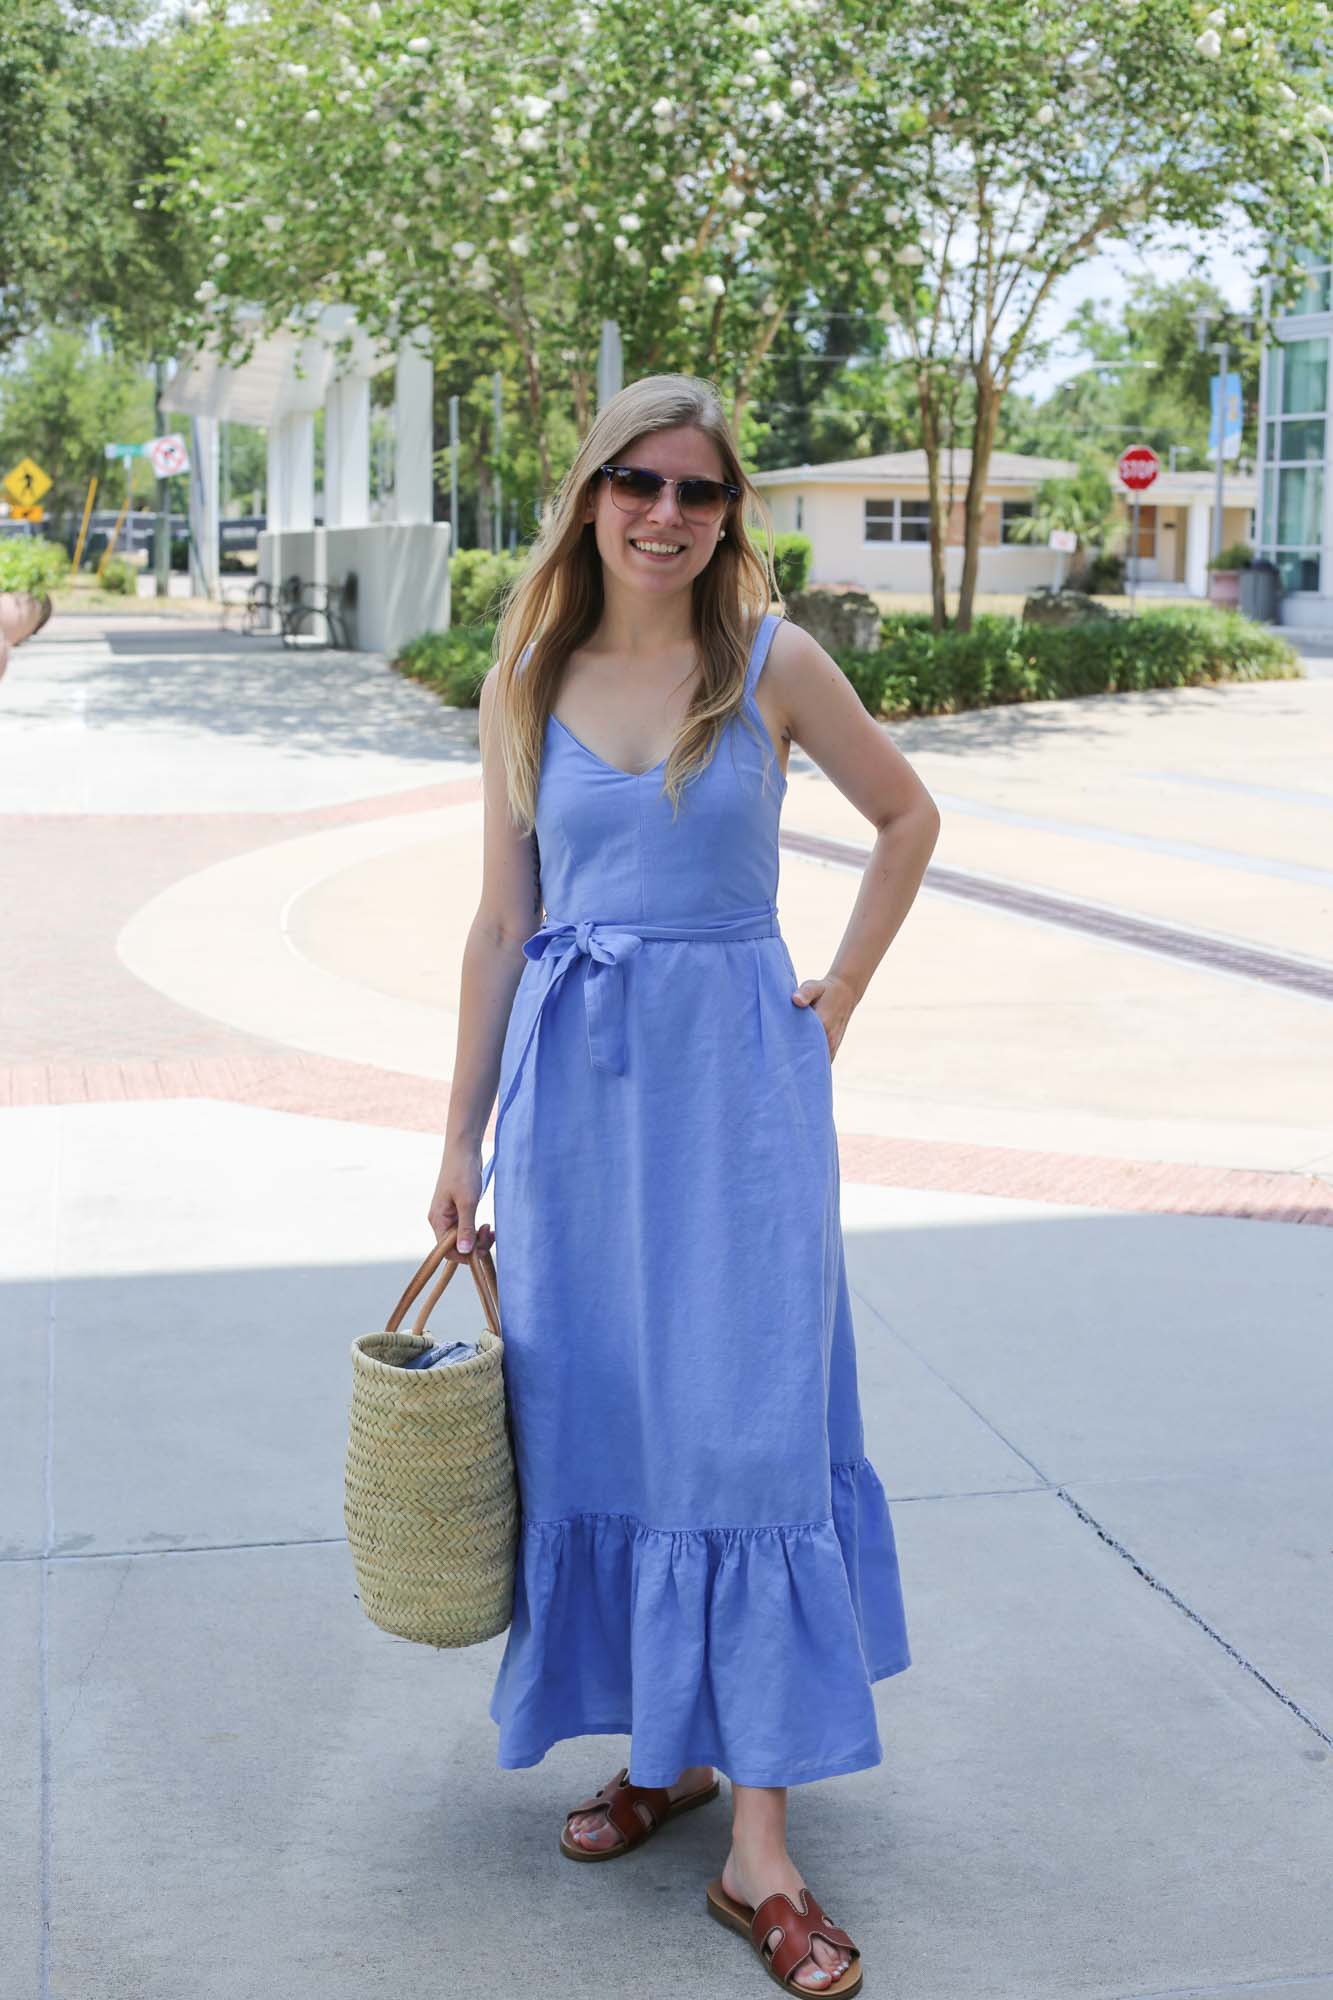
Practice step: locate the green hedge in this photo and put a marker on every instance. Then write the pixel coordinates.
(454, 663)
(792, 557)
(29, 563)
(121, 578)
(477, 582)
(920, 672)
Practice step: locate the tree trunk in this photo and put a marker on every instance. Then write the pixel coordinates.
(983, 444)
(930, 440)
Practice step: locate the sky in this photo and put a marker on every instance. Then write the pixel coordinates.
(1106, 277)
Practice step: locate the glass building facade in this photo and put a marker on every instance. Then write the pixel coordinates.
(1294, 442)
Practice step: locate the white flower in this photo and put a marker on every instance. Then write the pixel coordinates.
(499, 195)
(621, 242)
(297, 69)
(732, 196)
(208, 290)
(910, 253)
(504, 134)
(775, 111)
(762, 58)
(799, 87)
(530, 140)
(571, 229)
(1045, 113)
(197, 12)
(753, 218)
(1285, 90)
(273, 223)
(374, 258)
(873, 253)
(392, 148)
(685, 302)
(438, 240)
(1218, 17)
(1209, 43)
(669, 252)
(749, 24)
(433, 177)
(373, 10)
(464, 249)
(240, 124)
(893, 216)
(342, 96)
(1321, 114)
(771, 304)
(221, 261)
(744, 80)
(311, 117)
(341, 21)
(630, 221)
(526, 181)
(714, 285)
(1239, 35)
(420, 45)
(399, 221)
(590, 213)
(519, 245)
(533, 108)
(663, 110)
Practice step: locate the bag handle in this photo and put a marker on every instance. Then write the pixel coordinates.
(444, 1252)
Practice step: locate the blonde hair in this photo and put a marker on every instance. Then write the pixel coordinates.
(555, 603)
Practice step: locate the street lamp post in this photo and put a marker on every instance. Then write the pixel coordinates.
(1221, 348)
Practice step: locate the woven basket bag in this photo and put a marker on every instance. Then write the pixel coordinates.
(431, 1501)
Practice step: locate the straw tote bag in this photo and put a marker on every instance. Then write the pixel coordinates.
(431, 1501)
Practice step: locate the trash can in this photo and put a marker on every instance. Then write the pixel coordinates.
(1259, 591)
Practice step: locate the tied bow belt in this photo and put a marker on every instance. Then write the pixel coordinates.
(602, 946)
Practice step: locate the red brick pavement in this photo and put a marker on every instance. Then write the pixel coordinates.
(79, 1028)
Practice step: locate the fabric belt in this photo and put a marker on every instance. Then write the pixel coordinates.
(603, 945)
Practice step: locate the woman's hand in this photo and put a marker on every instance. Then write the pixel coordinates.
(837, 998)
(454, 1202)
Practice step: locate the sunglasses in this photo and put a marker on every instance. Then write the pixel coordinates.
(633, 488)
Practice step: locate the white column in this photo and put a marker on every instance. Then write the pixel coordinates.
(204, 504)
(1197, 547)
(414, 432)
(291, 455)
(347, 453)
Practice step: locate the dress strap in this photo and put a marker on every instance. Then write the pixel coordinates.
(763, 639)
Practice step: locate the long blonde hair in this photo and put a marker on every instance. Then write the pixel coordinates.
(555, 604)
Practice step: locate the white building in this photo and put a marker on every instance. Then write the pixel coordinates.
(1295, 522)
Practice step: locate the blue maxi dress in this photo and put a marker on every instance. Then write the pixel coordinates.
(706, 1559)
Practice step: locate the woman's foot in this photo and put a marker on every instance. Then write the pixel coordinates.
(593, 1829)
(749, 1876)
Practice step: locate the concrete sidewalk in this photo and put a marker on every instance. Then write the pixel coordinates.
(1092, 1074)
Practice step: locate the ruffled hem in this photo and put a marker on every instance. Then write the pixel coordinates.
(752, 1649)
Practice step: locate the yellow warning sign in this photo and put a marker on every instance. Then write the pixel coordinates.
(27, 513)
(26, 484)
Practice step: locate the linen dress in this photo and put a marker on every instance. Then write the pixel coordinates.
(706, 1559)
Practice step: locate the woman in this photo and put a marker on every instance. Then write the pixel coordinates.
(706, 1561)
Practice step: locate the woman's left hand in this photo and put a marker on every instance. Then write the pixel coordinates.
(836, 1001)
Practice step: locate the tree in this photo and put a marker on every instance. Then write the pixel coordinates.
(1044, 131)
(61, 404)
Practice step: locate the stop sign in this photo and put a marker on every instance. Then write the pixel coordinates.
(1139, 466)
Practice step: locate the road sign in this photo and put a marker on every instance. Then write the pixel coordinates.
(26, 484)
(124, 451)
(1139, 466)
(168, 455)
(27, 513)
(1063, 540)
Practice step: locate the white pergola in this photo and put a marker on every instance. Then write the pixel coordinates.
(402, 563)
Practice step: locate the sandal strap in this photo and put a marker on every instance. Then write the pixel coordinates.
(799, 1928)
(618, 1799)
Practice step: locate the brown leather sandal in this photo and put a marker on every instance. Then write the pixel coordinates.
(620, 1800)
(798, 1927)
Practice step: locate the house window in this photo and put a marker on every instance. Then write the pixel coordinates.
(1292, 497)
(1011, 511)
(915, 521)
(879, 521)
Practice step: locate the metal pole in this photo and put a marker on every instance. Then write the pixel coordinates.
(453, 473)
(162, 526)
(1223, 353)
(497, 498)
(1134, 552)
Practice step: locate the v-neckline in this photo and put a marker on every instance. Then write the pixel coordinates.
(606, 766)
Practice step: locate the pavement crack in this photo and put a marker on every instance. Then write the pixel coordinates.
(1173, 1597)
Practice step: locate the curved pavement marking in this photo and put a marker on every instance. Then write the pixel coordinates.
(1309, 978)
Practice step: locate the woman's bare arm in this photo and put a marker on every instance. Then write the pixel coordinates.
(509, 910)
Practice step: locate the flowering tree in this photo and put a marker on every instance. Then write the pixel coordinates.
(687, 172)
(1043, 132)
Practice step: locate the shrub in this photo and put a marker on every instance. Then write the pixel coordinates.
(1105, 575)
(792, 556)
(477, 583)
(454, 663)
(28, 562)
(121, 578)
(1236, 555)
(920, 672)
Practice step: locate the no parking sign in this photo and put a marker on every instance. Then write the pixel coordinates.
(168, 455)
